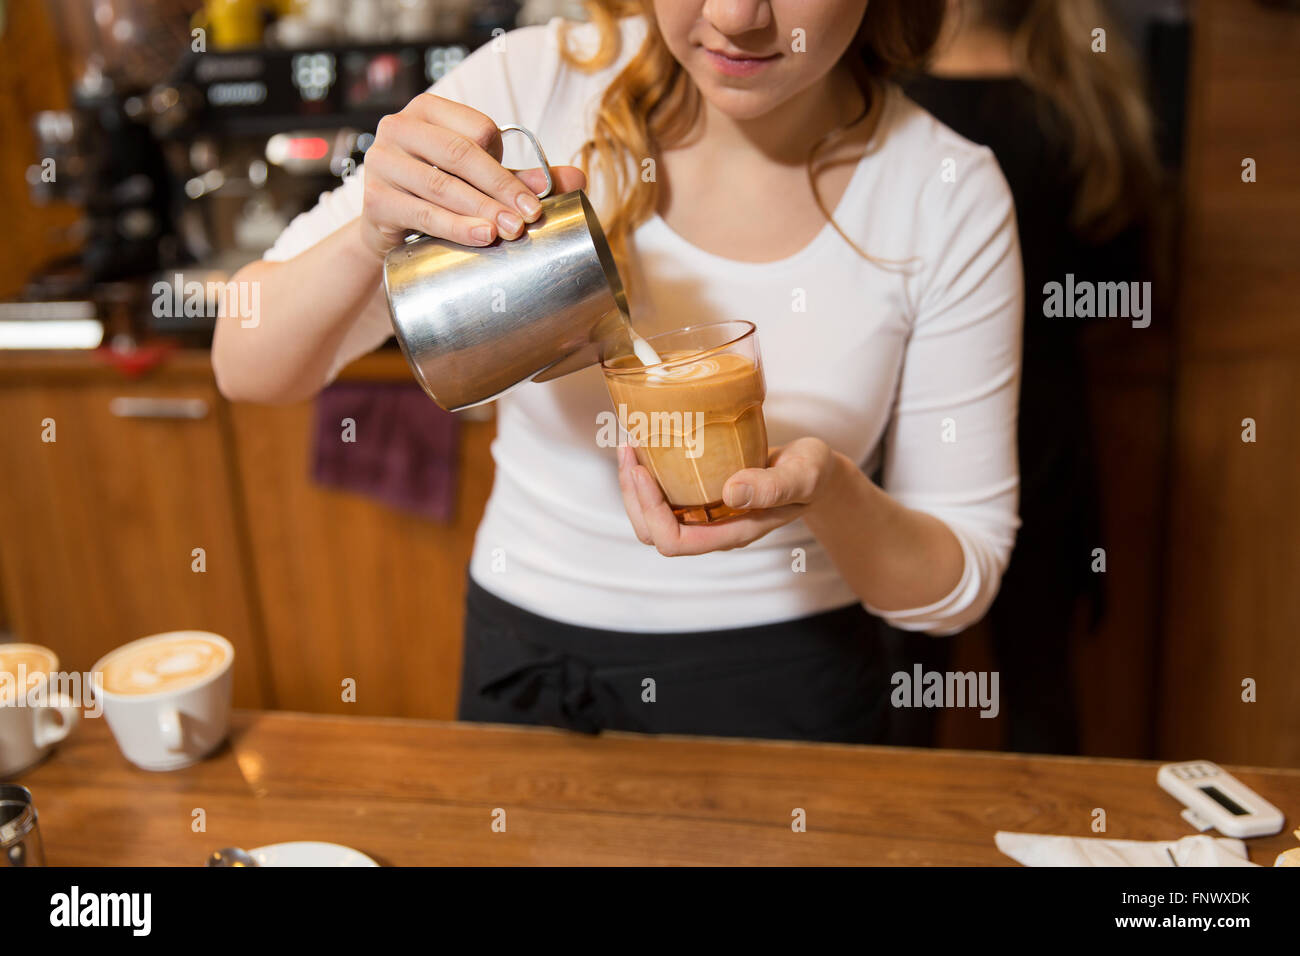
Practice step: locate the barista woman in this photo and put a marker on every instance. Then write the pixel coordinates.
(749, 159)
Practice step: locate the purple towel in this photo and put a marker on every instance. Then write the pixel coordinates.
(403, 450)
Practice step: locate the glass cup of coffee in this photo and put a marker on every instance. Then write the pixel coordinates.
(695, 418)
(167, 697)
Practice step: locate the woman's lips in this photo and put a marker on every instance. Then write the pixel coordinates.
(738, 66)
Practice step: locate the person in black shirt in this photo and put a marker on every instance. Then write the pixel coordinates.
(1072, 134)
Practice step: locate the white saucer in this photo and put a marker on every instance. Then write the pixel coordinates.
(309, 854)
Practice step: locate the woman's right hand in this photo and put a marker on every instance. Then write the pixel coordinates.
(435, 168)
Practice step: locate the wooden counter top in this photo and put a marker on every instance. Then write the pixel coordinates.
(423, 793)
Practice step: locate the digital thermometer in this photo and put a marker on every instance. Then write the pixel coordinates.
(1215, 798)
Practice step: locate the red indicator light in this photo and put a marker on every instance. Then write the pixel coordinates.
(308, 147)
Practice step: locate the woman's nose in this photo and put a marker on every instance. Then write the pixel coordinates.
(732, 17)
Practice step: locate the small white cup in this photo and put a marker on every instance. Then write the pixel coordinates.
(28, 733)
(171, 728)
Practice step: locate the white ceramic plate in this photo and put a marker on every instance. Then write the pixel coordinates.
(309, 854)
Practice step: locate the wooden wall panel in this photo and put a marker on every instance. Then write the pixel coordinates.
(1234, 601)
(350, 588)
(1234, 547)
(1243, 239)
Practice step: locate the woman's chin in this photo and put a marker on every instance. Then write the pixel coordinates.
(741, 104)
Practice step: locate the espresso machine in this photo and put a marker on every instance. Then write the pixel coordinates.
(189, 154)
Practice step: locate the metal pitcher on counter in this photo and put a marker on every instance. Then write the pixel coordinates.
(20, 837)
(474, 322)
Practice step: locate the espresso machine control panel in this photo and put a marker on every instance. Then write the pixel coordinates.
(271, 91)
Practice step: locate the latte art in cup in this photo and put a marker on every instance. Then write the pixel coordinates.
(25, 663)
(166, 665)
(689, 372)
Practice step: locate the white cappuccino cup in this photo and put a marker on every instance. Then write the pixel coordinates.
(167, 697)
(32, 718)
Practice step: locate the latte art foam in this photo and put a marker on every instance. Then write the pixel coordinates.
(21, 668)
(162, 665)
(32, 660)
(687, 372)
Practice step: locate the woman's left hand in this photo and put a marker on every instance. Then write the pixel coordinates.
(796, 478)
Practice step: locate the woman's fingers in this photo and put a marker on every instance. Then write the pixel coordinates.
(777, 495)
(435, 168)
(740, 531)
(626, 462)
(793, 475)
(567, 179)
(463, 142)
(385, 204)
(790, 481)
(436, 186)
(440, 188)
(445, 158)
(660, 522)
(673, 539)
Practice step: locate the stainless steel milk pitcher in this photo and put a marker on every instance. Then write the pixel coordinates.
(476, 321)
(20, 836)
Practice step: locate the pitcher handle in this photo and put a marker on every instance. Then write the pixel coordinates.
(546, 167)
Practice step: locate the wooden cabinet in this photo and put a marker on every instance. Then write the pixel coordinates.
(101, 526)
(98, 532)
(349, 588)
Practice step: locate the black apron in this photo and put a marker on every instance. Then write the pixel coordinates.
(815, 678)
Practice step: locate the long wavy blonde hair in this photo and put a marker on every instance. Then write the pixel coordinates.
(653, 104)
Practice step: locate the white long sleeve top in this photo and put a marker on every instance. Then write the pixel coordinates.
(910, 371)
